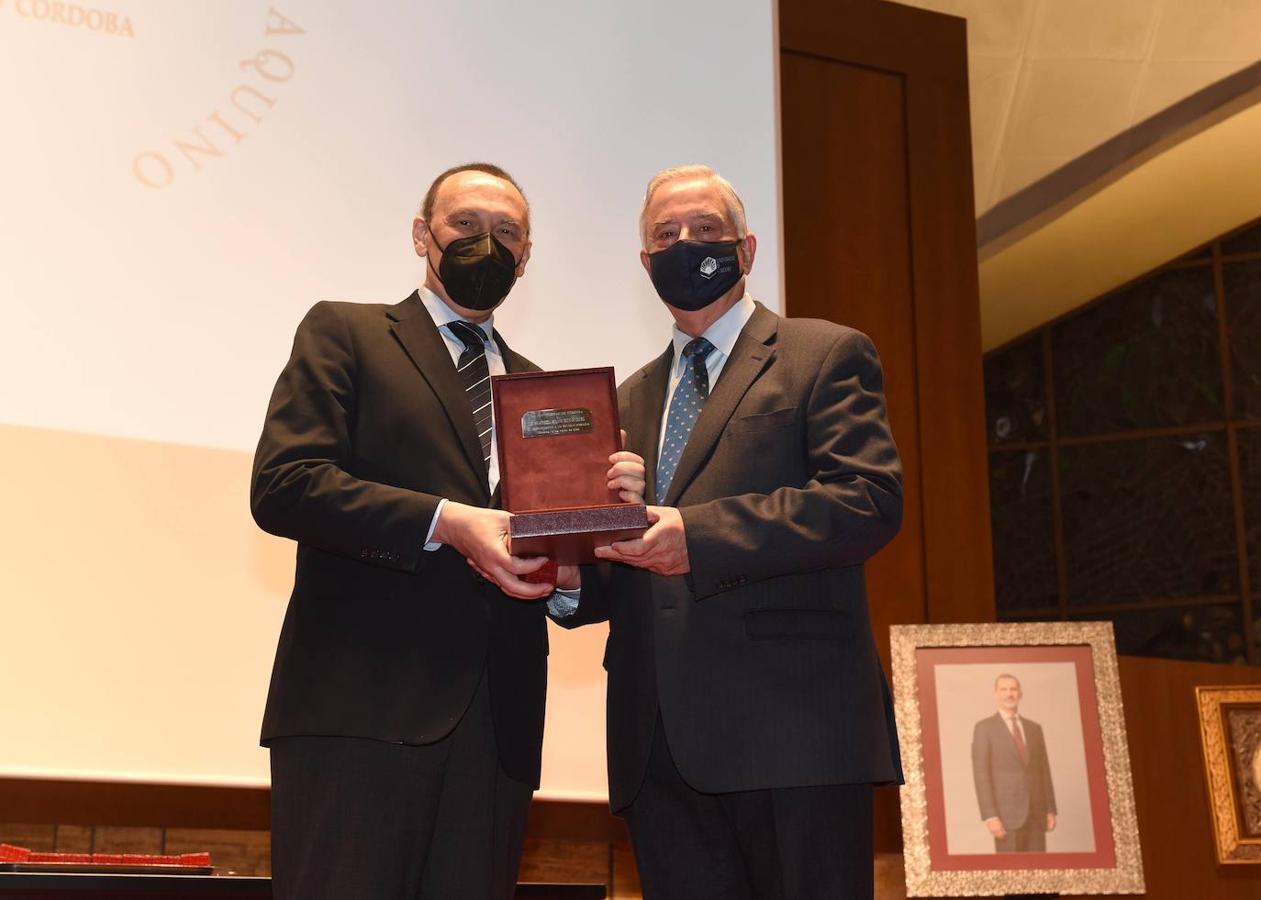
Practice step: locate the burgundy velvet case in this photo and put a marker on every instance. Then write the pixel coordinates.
(556, 431)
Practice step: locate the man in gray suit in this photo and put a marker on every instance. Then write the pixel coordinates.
(1012, 774)
(748, 716)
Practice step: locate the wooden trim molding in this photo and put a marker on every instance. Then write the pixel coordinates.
(126, 803)
(69, 802)
(1029, 209)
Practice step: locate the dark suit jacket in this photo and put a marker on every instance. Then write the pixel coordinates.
(761, 661)
(1014, 791)
(368, 428)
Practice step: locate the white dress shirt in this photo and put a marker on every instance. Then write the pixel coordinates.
(561, 602)
(443, 315)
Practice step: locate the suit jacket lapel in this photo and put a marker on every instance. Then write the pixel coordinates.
(416, 331)
(749, 357)
(646, 401)
(513, 361)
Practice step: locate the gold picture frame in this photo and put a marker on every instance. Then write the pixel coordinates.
(1232, 768)
(1091, 756)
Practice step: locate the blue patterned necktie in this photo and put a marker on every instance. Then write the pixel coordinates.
(474, 372)
(685, 408)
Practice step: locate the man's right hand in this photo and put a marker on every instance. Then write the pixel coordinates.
(481, 535)
(995, 825)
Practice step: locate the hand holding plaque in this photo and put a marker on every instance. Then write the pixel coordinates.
(556, 431)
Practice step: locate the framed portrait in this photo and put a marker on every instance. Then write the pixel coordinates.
(1230, 732)
(1017, 767)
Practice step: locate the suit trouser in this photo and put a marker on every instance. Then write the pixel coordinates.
(356, 818)
(776, 844)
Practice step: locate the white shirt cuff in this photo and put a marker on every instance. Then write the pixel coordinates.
(430, 543)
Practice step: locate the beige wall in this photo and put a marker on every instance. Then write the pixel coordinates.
(141, 607)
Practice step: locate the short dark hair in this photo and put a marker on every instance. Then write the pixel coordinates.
(426, 206)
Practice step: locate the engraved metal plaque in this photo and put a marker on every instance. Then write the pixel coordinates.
(548, 422)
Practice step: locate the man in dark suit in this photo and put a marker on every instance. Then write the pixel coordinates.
(405, 715)
(1012, 774)
(748, 715)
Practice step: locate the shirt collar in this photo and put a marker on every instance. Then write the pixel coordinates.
(444, 315)
(724, 333)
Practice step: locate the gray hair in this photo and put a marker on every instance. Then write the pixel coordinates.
(1007, 675)
(735, 207)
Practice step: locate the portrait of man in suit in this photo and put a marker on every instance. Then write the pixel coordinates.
(1012, 773)
(748, 714)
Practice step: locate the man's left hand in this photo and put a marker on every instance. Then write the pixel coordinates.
(662, 549)
(626, 474)
(1050, 821)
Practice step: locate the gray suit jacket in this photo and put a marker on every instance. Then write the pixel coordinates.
(1014, 791)
(761, 661)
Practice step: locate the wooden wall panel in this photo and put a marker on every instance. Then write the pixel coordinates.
(958, 550)
(847, 258)
(243, 852)
(75, 838)
(127, 839)
(1163, 729)
(565, 842)
(879, 233)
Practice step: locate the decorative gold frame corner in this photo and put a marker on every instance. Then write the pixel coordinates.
(1232, 847)
(921, 881)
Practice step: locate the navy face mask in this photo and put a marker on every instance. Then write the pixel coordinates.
(477, 271)
(693, 274)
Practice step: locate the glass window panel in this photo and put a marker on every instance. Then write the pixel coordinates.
(1148, 519)
(1256, 626)
(1146, 357)
(1204, 633)
(1015, 393)
(1024, 540)
(1250, 479)
(1242, 283)
(1247, 241)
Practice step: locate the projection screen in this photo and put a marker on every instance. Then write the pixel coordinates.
(180, 182)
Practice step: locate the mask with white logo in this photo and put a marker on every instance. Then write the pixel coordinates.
(691, 275)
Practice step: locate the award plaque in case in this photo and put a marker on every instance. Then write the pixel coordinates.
(556, 431)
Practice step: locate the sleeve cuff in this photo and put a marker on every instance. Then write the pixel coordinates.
(430, 543)
(563, 603)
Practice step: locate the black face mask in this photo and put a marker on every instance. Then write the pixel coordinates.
(693, 274)
(477, 271)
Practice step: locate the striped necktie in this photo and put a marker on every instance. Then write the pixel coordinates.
(475, 373)
(685, 407)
